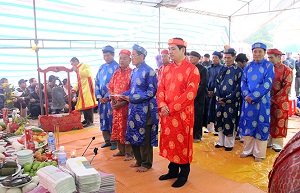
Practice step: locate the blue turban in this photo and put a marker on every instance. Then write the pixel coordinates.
(259, 45)
(139, 49)
(108, 48)
(230, 51)
(219, 54)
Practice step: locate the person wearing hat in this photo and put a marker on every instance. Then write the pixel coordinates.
(206, 61)
(165, 60)
(200, 99)
(241, 60)
(103, 77)
(256, 85)
(228, 92)
(84, 86)
(279, 100)
(119, 83)
(175, 96)
(23, 101)
(213, 70)
(142, 126)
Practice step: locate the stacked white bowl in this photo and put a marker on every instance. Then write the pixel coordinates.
(25, 156)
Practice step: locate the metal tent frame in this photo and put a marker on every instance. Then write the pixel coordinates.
(173, 4)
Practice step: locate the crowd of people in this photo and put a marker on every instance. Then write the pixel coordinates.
(228, 96)
(26, 98)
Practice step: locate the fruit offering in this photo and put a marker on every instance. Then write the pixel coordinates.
(40, 156)
(20, 130)
(31, 169)
(39, 135)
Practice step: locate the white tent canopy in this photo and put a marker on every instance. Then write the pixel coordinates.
(219, 8)
(236, 11)
(67, 28)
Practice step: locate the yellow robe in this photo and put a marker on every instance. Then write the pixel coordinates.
(85, 85)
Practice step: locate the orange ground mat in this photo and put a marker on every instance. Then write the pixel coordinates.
(212, 171)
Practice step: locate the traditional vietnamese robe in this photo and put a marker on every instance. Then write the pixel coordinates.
(256, 83)
(213, 70)
(119, 83)
(280, 100)
(177, 90)
(229, 89)
(160, 70)
(199, 103)
(103, 77)
(86, 96)
(142, 104)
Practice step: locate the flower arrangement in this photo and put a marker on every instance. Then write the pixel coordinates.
(8, 95)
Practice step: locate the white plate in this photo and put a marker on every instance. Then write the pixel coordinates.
(17, 171)
(19, 186)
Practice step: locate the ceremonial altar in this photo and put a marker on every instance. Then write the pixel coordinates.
(64, 122)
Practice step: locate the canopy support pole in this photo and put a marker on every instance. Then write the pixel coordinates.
(37, 60)
(159, 47)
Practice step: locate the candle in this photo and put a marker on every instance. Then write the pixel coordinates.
(73, 153)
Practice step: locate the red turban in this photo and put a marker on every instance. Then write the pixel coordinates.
(274, 51)
(164, 52)
(177, 42)
(127, 52)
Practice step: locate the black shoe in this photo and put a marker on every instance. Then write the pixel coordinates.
(106, 145)
(218, 146)
(167, 176)
(84, 122)
(228, 148)
(87, 125)
(179, 182)
(206, 132)
(215, 134)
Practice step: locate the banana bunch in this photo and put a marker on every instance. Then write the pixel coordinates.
(20, 130)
